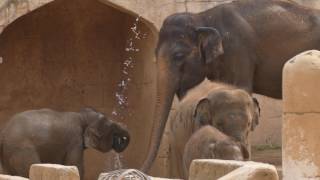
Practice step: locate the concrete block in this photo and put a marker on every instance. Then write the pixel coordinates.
(309, 3)
(253, 171)
(300, 146)
(53, 172)
(7, 177)
(203, 169)
(301, 83)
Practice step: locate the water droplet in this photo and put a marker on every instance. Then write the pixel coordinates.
(121, 109)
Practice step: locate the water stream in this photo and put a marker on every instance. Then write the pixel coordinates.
(120, 111)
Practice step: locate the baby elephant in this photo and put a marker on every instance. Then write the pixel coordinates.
(210, 143)
(229, 109)
(48, 136)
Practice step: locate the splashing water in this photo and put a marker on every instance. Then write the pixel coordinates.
(121, 109)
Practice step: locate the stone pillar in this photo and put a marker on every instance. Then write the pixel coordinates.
(301, 117)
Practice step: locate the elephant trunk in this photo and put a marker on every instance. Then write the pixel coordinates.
(165, 92)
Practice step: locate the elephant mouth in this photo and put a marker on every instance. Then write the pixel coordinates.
(119, 143)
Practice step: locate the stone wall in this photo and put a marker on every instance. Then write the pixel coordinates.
(157, 10)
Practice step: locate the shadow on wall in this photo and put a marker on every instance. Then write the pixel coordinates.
(69, 54)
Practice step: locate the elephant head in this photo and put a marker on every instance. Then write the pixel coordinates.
(184, 49)
(232, 111)
(103, 134)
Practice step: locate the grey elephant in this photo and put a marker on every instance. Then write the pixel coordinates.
(232, 111)
(210, 143)
(49, 136)
(244, 43)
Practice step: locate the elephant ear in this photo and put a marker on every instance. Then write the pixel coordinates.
(210, 43)
(201, 114)
(256, 114)
(91, 136)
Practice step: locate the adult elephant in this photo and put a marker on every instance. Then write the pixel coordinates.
(245, 43)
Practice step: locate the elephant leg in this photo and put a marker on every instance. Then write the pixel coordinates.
(75, 158)
(21, 159)
(176, 169)
(174, 162)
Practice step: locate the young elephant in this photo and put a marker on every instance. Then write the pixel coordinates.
(233, 111)
(48, 136)
(210, 143)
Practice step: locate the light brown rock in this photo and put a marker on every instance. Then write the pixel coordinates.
(228, 170)
(254, 171)
(301, 83)
(7, 177)
(53, 172)
(309, 3)
(202, 169)
(300, 146)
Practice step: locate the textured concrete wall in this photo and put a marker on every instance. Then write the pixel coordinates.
(301, 117)
(157, 10)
